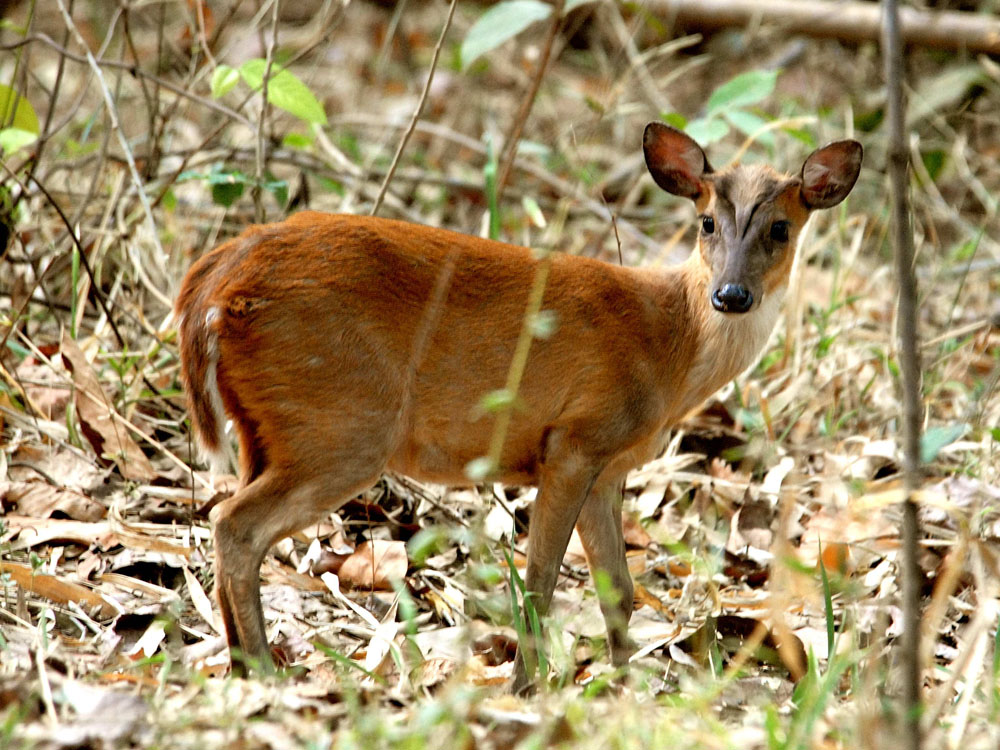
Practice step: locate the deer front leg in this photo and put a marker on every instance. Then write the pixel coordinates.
(562, 491)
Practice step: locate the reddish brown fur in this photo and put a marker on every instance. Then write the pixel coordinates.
(336, 359)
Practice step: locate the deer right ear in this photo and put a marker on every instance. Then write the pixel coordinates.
(829, 173)
(675, 160)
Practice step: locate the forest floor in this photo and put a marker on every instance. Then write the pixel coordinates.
(764, 542)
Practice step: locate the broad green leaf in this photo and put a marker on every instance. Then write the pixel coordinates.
(743, 90)
(750, 124)
(227, 187)
(14, 139)
(226, 194)
(943, 91)
(16, 111)
(499, 24)
(284, 90)
(936, 438)
(223, 80)
(707, 130)
(277, 188)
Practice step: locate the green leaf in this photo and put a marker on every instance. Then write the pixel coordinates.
(277, 188)
(497, 400)
(743, 90)
(16, 111)
(544, 324)
(227, 187)
(284, 90)
(750, 124)
(707, 130)
(674, 119)
(297, 141)
(534, 211)
(944, 91)
(936, 438)
(14, 139)
(574, 4)
(499, 24)
(223, 80)
(170, 200)
(478, 469)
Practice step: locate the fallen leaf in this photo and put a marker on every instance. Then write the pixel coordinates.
(31, 532)
(96, 414)
(58, 589)
(375, 565)
(41, 500)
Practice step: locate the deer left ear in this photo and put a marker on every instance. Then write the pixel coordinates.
(829, 173)
(675, 160)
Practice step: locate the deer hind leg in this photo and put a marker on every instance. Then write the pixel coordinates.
(271, 507)
(600, 528)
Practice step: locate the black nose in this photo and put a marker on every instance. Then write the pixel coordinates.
(732, 298)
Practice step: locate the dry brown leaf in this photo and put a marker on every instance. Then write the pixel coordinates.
(95, 410)
(635, 534)
(58, 589)
(642, 597)
(31, 532)
(375, 565)
(41, 500)
(45, 388)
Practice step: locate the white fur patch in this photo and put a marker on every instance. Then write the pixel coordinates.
(222, 459)
(731, 344)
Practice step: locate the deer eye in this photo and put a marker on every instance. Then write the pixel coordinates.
(707, 224)
(779, 231)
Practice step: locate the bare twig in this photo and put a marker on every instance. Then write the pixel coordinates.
(416, 112)
(510, 146)
(133, 70)
(902, 235)
(261, 153)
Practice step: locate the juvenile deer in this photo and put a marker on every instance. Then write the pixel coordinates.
(343, 346)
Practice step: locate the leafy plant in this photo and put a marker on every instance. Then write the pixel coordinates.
(728, 107)
(228, 185)
(285, 90)
(18, 122)
(503, 22)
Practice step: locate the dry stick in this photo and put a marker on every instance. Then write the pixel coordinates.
(116, 126)
(510, 147)
(849, 21)
(133, 70)
(257, 192)
(416, 113)
(902, 236)
(47, 133)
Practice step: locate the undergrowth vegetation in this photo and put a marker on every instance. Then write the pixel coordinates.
(764, 543)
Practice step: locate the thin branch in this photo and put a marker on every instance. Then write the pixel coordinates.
(909, 359)
(122, 140)
(261, 154)
(134, 70)
(510, 147)
(416, 113)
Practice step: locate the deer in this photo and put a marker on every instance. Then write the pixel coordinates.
(341, 347)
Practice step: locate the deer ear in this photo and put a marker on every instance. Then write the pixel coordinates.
(829, 173)
(675, 160)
